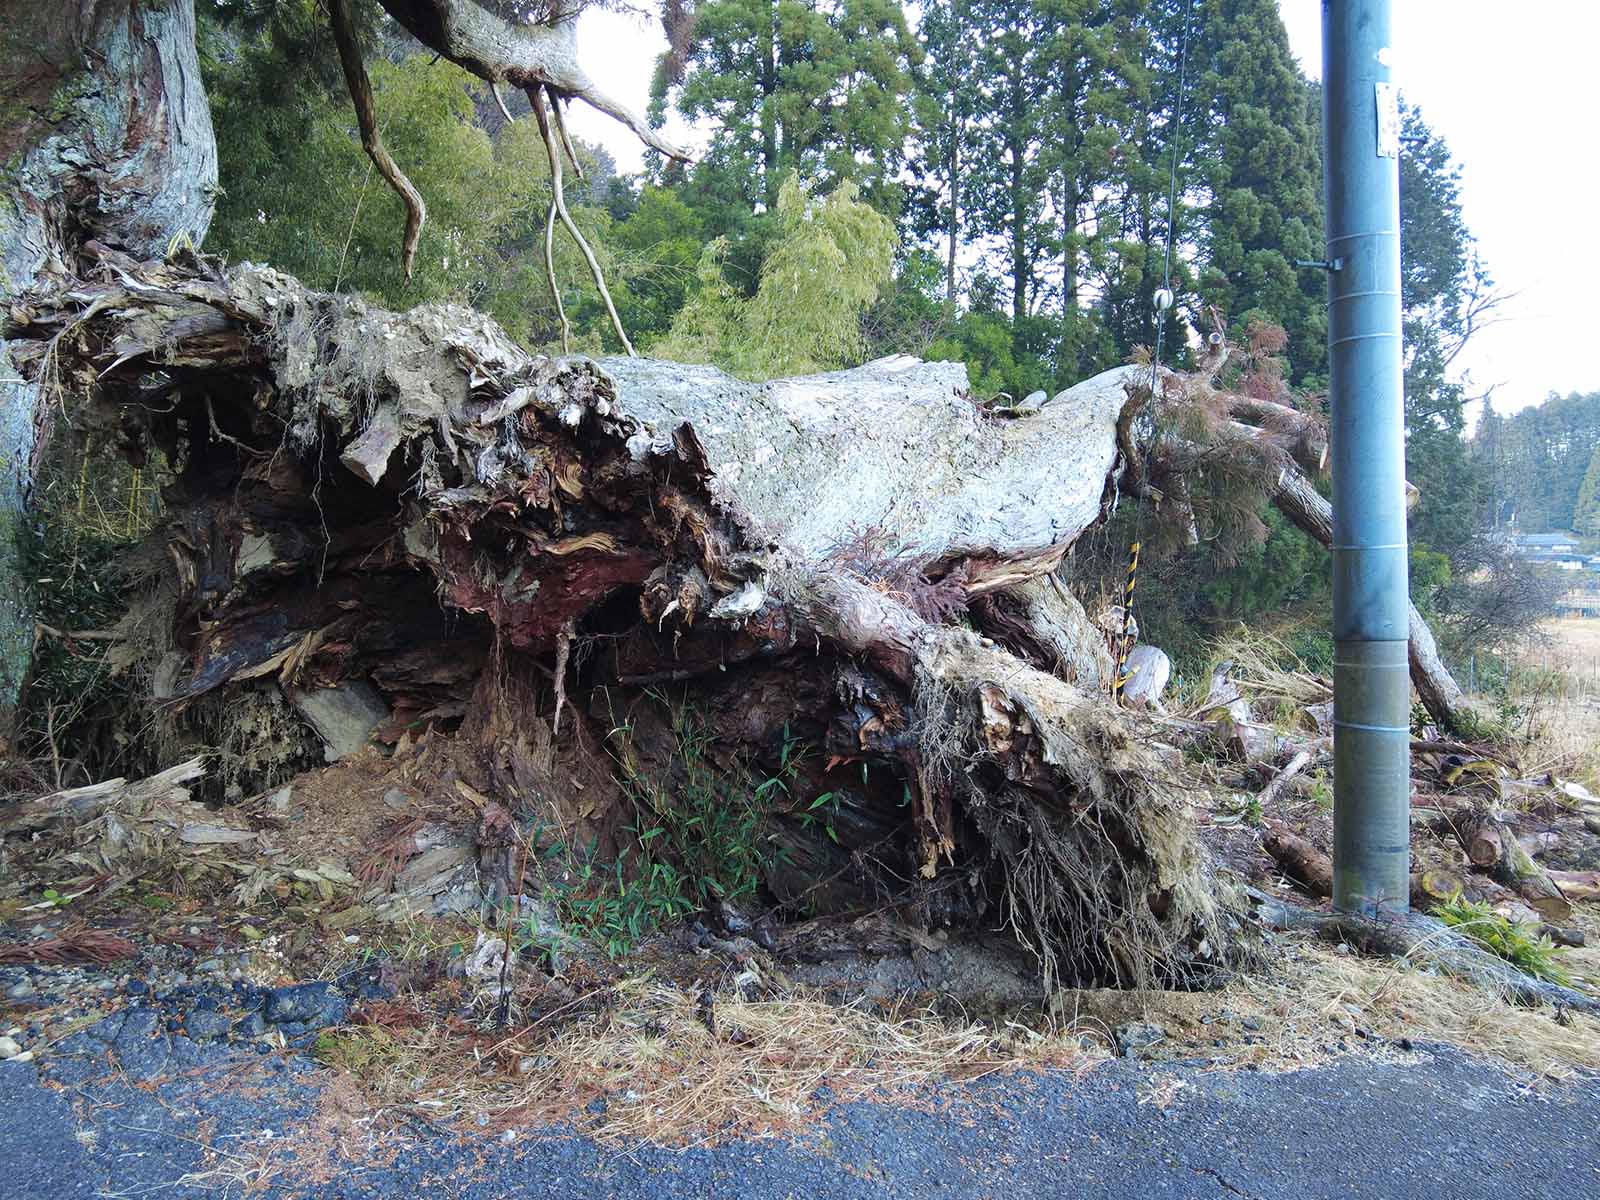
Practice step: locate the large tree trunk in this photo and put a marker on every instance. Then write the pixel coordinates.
(786, 556)
(106, 139)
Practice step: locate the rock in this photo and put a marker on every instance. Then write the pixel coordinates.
(1251, 1023)
(343, 716)
(395, 800)
(365, 983)
(141, 1059)
(137, 1024)
(1032, 402)
(253, 1026)
(20, 990)
(431, 873)
(309, 1004)
(9, 1048)
(183, 1054)
(734, 921)
(1134, 1039)
(206, 1025)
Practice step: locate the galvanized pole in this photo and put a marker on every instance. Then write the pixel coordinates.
(1372, 692)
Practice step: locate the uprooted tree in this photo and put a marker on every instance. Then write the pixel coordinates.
(406, 521)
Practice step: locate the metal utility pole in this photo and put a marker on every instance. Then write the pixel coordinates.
(1371, 613)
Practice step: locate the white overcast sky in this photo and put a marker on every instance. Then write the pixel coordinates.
(1511, 89)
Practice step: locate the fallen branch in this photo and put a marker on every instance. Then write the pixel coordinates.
(1298, 500)
(1269, 794)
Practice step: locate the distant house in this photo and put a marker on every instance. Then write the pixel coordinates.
(1541, 544)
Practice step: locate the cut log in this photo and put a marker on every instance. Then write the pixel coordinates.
(1492, 845)
(1435, 886)
(1238, 734)
(1300, 860)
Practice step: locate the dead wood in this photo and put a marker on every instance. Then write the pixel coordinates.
(1493, 846)
(1269, 794)
(413, 504)
(1565, 935)
(1435, 886)
(1577, 885)
(1299, 500)
(1300, 860)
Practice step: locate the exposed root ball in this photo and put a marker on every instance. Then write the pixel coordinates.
(1100, 871)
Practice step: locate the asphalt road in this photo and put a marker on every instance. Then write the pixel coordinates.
(1448, 1127)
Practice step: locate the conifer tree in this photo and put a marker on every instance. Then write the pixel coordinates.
(1586, 517)
(812, 86)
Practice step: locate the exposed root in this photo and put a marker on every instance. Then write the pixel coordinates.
(1426, 940)
(558, 208)
(1084, 824)
(355, 77)
(561, 132)
(550, 275)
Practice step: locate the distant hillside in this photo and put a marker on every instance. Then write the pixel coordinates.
(1536, 460)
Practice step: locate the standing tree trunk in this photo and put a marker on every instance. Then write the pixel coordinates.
(107, 138)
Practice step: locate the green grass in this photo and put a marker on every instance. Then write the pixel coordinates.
(1520, 945)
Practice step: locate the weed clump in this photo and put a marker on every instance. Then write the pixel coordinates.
(1520, 945)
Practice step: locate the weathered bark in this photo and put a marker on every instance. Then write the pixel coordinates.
(1577, 885)
(1300, 860)
(105, 138)
(524, 55)
(1298, 500)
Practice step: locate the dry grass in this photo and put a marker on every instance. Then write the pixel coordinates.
(670, 1076)
(1310, 1008)
(1395, 1002)
(1572, 644)
(1260, 669)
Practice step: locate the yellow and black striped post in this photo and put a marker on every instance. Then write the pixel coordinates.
(1125, 644)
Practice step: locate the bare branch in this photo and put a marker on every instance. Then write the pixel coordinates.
(525, 56)
(355, 78)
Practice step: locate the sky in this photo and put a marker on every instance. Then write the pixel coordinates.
(1511, 90)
